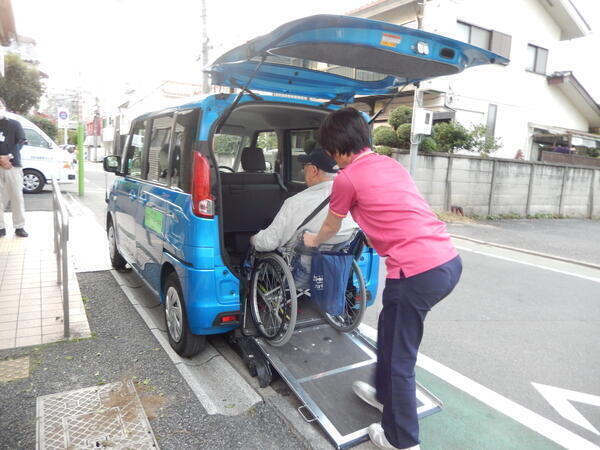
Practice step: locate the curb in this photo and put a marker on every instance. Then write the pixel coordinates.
(529, 252)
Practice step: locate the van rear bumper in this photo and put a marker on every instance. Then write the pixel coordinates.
(204, 302)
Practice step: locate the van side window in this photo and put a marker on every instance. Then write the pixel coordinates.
(158, 149)
(302, 142)
(186, 129)
(226, 148)
(133, 160)
(267, 143)
(35, 139)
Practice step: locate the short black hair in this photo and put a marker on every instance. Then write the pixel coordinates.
(344, 131)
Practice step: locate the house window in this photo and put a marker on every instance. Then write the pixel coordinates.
(479, 37)
(537, 57)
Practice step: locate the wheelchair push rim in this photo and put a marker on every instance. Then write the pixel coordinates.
(273, 300)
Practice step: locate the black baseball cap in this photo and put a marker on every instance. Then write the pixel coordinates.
(320, 159)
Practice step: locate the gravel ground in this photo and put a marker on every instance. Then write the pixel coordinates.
(123, 347)
(569, 238)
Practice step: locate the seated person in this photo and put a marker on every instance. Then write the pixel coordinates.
(319, 171)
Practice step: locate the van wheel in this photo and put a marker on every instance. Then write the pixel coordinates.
(33, 181)
(116, 259)
(182, 340)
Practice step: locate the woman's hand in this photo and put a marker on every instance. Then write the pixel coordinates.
(310, 239)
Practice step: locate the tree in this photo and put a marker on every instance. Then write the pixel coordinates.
(226, 143)
(46, 125)
(452, 136)
(385, 136)
(427, 145)
(400, 115)
(485, 145)
(21, 86)
(403, 133)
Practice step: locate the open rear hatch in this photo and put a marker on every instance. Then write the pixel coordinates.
(339, 57)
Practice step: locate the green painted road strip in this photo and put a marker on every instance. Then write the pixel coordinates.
(466, 423)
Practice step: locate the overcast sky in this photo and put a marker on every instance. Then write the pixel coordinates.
(112, 44)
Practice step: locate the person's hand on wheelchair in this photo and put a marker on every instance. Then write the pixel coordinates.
(310, 239)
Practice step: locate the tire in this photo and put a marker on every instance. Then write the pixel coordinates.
(33, 181)
(355, 304)
(182, 340)
(116, 259)
(273, 300)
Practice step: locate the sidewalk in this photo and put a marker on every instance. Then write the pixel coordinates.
(31, 306)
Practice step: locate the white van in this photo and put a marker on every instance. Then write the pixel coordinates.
(42, 159)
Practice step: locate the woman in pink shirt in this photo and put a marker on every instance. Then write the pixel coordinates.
(422, 265)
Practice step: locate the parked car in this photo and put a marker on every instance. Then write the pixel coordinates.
(42, 159)
(181, 217)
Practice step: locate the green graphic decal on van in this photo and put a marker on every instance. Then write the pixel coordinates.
(153, 220)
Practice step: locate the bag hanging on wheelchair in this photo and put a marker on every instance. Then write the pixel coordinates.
(329, 279)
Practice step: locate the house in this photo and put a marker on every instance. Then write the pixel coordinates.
(524, 102)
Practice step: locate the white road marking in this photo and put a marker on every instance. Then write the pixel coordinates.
(560, 399)
(526, 263)
(509, 408)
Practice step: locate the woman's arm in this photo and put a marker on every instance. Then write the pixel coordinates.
(329, 229)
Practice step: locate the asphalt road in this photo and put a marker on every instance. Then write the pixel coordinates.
(569, 238)
(509, 324)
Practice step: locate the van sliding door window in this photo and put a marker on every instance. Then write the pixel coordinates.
(226, 148)
(180, 156)
(158, 149)
(267, 143)
(302, 142)
(133, 161)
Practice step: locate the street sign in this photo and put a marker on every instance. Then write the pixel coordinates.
(63, 118)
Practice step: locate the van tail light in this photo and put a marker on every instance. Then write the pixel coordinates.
(203, 204)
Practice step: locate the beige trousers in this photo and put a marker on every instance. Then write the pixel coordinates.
(11, 189)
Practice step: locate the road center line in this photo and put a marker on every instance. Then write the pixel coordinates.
(509, 408)
(526, 263)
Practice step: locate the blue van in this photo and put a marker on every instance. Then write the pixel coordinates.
(194, 182)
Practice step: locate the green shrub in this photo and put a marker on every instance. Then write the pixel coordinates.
(483, 144)
(452, 136)
(403, 133)
(383, 150)
(427, 145)
(45, 124)
(593, 152)
(385, 136)
(400, 115)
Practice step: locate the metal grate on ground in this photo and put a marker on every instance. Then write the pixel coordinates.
(109, 416)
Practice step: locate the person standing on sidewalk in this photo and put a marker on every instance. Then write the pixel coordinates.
(12, 138)
(423, 266)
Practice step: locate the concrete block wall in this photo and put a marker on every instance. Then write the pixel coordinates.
(470, 185)
(511, 185)
(545, 195)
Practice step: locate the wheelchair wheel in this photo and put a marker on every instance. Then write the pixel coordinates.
(356, 303)
(273, 301)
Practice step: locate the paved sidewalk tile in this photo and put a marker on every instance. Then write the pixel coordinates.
(31, 304)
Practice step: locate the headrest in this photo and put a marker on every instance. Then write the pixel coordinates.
(253, 159)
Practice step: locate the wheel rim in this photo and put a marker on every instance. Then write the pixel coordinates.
(31, 182)
(112, 245)
(174, 314)
(273, 300)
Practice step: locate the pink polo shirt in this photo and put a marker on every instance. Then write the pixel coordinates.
(385, 202)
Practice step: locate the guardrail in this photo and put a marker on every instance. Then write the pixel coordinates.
(61, 236)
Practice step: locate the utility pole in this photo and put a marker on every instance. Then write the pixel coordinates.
(204, 49)
(415, 139)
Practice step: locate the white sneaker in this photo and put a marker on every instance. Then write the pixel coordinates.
(378, 438)
(366, 393)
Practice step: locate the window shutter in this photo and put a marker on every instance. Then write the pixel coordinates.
(501, 44)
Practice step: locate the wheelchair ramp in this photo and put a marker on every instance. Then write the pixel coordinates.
(320, 364)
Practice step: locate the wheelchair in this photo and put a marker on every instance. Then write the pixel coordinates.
(274, 295)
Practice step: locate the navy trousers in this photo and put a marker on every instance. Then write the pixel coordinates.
(406, 302)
